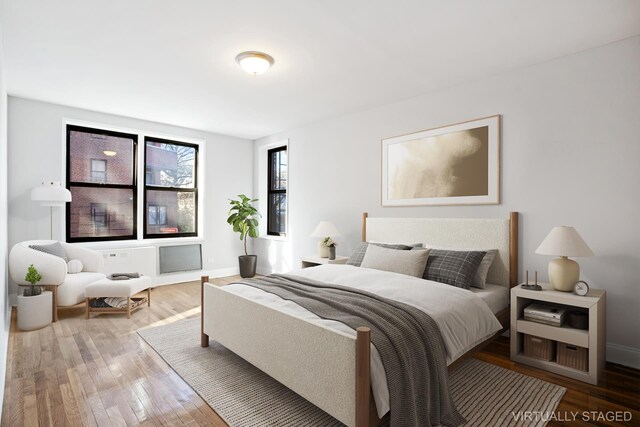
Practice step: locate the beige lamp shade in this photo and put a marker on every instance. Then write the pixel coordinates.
(325, 229)
(564, 241)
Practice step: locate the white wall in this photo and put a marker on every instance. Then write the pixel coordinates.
(570, 156)
(5, 313)
(36, 154)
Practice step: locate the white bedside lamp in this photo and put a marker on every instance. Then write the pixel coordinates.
(564, 242)
(51, 194)
(323, 230)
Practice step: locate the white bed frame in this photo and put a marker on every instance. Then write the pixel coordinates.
(329, 368)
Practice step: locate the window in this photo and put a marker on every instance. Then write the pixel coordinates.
(170, 188)
(277, 191)
(99, 215)
(103, 206)
(157, 215)
(98, 171)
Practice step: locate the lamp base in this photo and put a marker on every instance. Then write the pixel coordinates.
(323, 250)
(563, 273)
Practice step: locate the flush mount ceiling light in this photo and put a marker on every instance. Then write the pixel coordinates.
(109, 153)
(254, 62)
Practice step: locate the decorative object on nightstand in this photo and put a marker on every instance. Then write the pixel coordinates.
(314, 260)
(324, 230)
(581, 288)
(578, 320)
(526, 285)
(579, 343)
(51, 194)
(331, 244)
(564, 242)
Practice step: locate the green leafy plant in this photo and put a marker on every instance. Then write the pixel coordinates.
(32, 277)
(243, 217)
(329, 242)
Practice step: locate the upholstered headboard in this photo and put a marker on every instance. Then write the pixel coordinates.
(467, 233)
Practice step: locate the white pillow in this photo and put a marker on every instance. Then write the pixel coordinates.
(411, 263)
(480, 278)
(74, 266)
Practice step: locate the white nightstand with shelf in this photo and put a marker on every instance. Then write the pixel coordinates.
(313, 260)
(592, 339)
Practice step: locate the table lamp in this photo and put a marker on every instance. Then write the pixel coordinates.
(564, 242)
(51, 194)
(324, 230)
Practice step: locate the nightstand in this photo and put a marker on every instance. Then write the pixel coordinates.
(313, 260)
(591, 341)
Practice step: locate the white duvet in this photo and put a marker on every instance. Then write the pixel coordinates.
(464, 319)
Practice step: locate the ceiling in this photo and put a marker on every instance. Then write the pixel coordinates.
(173, 61)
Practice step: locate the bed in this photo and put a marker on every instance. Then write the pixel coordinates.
(337, 368)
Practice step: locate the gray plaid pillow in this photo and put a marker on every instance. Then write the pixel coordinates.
(357, 256)
(456, 268)
(55, 249)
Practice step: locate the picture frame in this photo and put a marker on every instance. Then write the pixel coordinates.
(457, 164)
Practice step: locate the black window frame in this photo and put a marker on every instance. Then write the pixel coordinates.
(133, 187)
(104, 161)
(157, 208)
(147, 187)
(271, 191)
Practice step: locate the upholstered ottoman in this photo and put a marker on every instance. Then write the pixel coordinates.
(120, 289)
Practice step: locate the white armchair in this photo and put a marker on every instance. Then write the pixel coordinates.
(68, 289)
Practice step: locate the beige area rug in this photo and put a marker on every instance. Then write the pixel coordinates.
(244, 396)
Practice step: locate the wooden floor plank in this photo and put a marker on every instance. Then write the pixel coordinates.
(99, 372)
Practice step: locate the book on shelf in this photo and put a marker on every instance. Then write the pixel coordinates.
(547, 314)
(543, 320)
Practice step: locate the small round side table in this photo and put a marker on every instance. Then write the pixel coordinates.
(34, 312)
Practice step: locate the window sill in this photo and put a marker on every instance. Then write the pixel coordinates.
(116, 244)
(274, 238)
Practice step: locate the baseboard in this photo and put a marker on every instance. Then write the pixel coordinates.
(623, 355)
(4, 349)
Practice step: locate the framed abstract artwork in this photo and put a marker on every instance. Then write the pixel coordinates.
(451, 165)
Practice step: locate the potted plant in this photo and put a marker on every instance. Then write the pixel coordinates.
(243, 216)
(331, 244)
(32, 277)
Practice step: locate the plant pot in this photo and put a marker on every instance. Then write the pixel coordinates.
(247, 265)
(332, 253)
(34, 312)
(32, 291)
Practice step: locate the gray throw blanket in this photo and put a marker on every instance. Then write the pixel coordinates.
(408, 340)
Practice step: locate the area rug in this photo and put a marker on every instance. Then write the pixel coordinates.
(244, 396)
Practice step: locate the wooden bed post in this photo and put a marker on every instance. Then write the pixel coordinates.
(363, 376)
(364, 226)
(513, 249)
(204, 338)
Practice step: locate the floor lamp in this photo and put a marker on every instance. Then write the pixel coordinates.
(51, 194)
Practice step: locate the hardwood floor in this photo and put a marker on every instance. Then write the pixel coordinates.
(99, 372)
